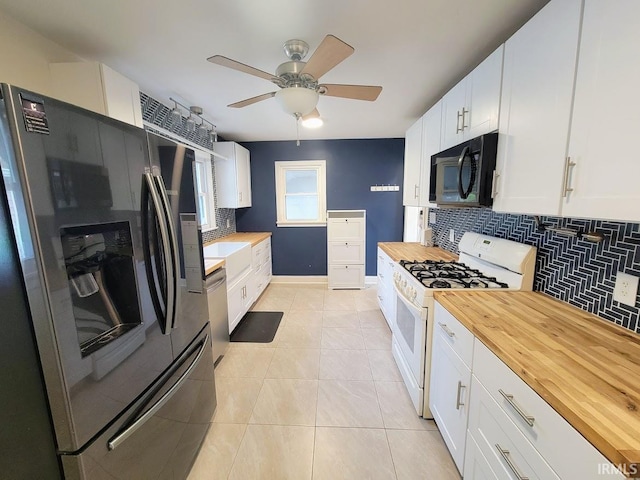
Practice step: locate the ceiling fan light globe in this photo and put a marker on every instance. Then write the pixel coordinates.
(312, 122)
(297, 101)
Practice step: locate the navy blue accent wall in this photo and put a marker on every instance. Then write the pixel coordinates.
(353, 166)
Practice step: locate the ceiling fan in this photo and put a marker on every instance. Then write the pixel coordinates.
(298, 80)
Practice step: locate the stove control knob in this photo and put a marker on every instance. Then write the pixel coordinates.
(412, 293)
(404, 283)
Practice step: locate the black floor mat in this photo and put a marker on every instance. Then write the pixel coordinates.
(257, 327)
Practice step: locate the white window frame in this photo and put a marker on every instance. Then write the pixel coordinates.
(281, 169)
(204, 159)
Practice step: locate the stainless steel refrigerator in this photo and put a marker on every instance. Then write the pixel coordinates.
(123, 342)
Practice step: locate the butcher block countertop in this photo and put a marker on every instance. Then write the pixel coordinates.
(211, 265)
(253, 237)
(586, 368)
(414, 251)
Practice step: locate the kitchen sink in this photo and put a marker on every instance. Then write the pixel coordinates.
(236, 256)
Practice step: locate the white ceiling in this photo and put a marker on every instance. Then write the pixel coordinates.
(415, 49)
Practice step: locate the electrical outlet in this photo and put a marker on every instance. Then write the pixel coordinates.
(626, 289)
(432, 217)
(228, 223)
(452, 235)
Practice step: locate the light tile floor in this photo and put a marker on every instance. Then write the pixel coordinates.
(324, 400)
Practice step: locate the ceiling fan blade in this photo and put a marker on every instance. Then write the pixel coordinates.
(357, 92)
(329, 53)
(252, 100)
(227, 62)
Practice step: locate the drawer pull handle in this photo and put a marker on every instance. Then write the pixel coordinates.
(447, 330)
(459, 395)
(509, 398)
(507, 458)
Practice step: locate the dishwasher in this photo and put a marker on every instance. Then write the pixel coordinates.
(216, 285)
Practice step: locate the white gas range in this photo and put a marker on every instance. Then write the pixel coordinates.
(484, 262)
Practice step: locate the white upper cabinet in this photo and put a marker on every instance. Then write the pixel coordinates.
(98, 88)
(422, 140)
(412, 160)
(471, 107)
(535, 110)
(604, 172)
(454, 113)
(483, 88)
(431, 123)
(233, 175)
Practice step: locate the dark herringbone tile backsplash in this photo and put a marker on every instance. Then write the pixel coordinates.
(157, 113)
(576, 271)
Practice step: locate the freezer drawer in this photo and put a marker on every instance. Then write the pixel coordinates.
(160, 434)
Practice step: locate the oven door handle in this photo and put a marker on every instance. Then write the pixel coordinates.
(409, 304)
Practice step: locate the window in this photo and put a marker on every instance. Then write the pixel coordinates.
(204, 191)
(301, 193)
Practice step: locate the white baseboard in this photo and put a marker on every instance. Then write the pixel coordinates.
(317, 279)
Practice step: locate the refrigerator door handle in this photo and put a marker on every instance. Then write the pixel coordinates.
(166, 252)
(119, 438)
(175, 257)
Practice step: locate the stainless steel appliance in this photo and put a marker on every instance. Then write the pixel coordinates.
(218, 312)
(484, 262)
(124, 348)
(463, 175)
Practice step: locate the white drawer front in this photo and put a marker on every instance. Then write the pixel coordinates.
(507, 451)
(345, 229)
(566, 450)
(476, 465)
(346, 276)
(346, 252)
(454, 333)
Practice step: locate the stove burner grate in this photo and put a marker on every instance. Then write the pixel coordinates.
(437, 274)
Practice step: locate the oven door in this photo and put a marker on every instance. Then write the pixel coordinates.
(409, 336)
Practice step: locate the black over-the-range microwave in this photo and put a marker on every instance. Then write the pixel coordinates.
(463, 175)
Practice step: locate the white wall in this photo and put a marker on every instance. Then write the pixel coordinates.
(25, 56)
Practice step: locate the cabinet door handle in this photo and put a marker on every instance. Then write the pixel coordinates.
(509, 398)
(565, 184)
(507, 458)
(464, 114)
(458, 129)
(447, 330)
(416, 191)
(240, 196)
(459, 395)
(494, 184)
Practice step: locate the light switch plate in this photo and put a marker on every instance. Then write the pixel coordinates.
(626, 289)
(452, 235)
(432, 217)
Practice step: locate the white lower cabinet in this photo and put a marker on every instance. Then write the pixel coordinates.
(239, 298)
(261, 266)
(511, 433)
(250, 284)
(505, 448)
(450, 381)
(561, 445)
(346, 240)
(386, 293)
(476, 465)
